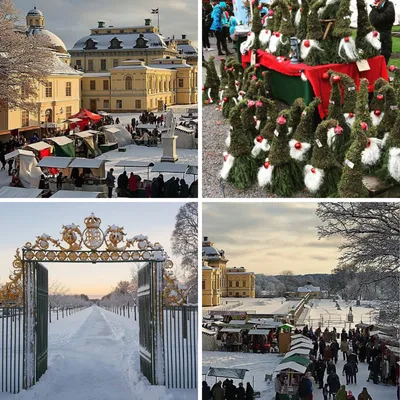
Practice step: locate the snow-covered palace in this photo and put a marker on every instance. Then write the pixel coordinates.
(219, 280)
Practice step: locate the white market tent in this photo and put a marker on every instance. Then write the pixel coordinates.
(75, 194)
(146, 126)
(233, 373)
(61, 140)
(20, 193)
(55, 162)
(231, 330)
(298, 335)
(19, 152)
(300, 352)
(29, 172)
(84, 134)
(299, 341)
(87, 163)
(302, 346)
(291, 365)
(172, 168)
(39, 146)
(237, 322)
(259, 331)
(117, 134)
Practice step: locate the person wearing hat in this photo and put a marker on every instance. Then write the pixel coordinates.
(217, 26)
(382, 18)
(350, 395)
(364, 395)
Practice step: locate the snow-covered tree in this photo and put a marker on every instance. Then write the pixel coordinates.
(25, 61)
(371, 244)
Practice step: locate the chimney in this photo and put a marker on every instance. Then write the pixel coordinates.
(147, 21)
(205, 239)
(101, 24)
(183, 37)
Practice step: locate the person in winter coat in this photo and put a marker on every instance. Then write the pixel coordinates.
(154, 190)
(330, 367)
(349, 371)
(344, 347)
(385, 369)
(278, 386)
(322, 346)
(350, 395)
(217, 392)
(206, 392)
(327, 354)
(241, 392)
(110, 181)
(59, 181)
(335, 350)
(341, 393)
(304, 388)
(133, 185)
(382, 18)
(364, 395)
(320, 373)
(184, 192)
(2, 158)
(249, 392)
(122, 183)
(217, 26)
(334, 383)
(325, 392)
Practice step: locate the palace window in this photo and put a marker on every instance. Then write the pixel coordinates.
(49, 89)
(180, 82)
(103, 65)
(138, 104)
(25, 119)
(128, 83)
(115, 43)
(115, 63)
(106, 85)
(78, 63)
(90, 65)
(237, 283)
(119, 104)
(90, 44)
(106, 104)
(68, 111)
(204, 285)
(230, 283)
(244, 293)
(244, 283)
(68, 89)
(92, 85)
(165, 86)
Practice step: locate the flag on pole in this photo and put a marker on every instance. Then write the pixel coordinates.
(154, 10)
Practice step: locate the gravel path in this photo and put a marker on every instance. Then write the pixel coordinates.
(215, 130)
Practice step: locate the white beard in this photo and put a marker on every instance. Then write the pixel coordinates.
(209, 96)
(235, 100)
(322, 9)
(228, 164)
(331, 136)
(264, 175)
(258, 147)
(248, 44)
(371, 155)
(376, 119)
(258, 123)
(228, 140)
(375, 42)
(385, 136)
(298, 155)
(221, 96)
(264, 37)
(290, 130)
(304, 51)
(240, 97)
(394, 163)
(349, 49)
(273, 44)
(313, 181)
(297, 18)
(349, 120)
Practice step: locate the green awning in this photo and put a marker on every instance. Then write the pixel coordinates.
(297, 359)
(66, 150)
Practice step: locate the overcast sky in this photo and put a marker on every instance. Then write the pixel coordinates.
(270, 237)
(22, 222)
(72, 19)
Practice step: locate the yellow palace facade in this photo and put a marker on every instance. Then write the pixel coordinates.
(132, 69)
(219, 280)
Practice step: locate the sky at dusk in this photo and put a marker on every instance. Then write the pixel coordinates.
(72, 19)
(268, 238)
(22, 222)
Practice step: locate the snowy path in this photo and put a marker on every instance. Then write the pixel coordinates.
(94, 355)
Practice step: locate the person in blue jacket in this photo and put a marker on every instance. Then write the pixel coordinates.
(217, 27)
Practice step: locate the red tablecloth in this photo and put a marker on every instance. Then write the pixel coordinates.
(322, 88)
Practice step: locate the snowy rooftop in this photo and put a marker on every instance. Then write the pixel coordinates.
(308, 288)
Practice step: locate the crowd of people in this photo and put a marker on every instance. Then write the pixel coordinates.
(227, 390)
(157, 188)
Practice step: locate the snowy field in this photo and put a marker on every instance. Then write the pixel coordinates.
(94, 355)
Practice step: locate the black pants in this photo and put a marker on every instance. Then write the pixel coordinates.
(386, 45)
(110, 192)
(221, 42)
(206, 39)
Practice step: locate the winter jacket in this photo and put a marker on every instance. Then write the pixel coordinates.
(303, 387)
(344, 346)
(382, 20)
(249, 392)
(110, 179)
(206, 392)
(216, 15)
(341, 393)
(334, 383)
(327, 354)
(349, 369)
(364, 395)
(133, 183)
(218, 393)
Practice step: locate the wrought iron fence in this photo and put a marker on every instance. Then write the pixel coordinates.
(180, 346)
(11, 349)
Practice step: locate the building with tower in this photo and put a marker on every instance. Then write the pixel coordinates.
(219, 280)
(133, 68)
(57, 100)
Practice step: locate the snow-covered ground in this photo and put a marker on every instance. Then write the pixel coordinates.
(94, 355)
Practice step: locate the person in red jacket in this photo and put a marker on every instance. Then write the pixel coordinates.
(133, 185)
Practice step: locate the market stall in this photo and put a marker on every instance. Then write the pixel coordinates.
(42, 149)
(63, 146)
(116, 136)
(19, 193)
(77, 194)
(135, 164)
(86, 144)
(290, 373)
(233, 339)
(83, 119)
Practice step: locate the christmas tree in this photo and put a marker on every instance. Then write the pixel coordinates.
(230, 95)
(260, 143)
(351, 183)
(302, 28)
(390, 111)
(212, 83)
(322, 176)
(342, 32)
(350, 98)
(378, 103)
(247, 77)
(286, 31)
(286, 177)
(247, 117)
(239, 166)
(257, 25)
(362, 109)
(330, 10)
(303, 137)
(267, 132)
(223, 74)
(367, 40)
(338, 136)
(296, 110)
(311, 50)
(396, 82)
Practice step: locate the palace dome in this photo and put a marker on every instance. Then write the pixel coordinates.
(35, 11)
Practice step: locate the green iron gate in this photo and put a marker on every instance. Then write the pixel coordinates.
(35, 322)
(150, 322)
